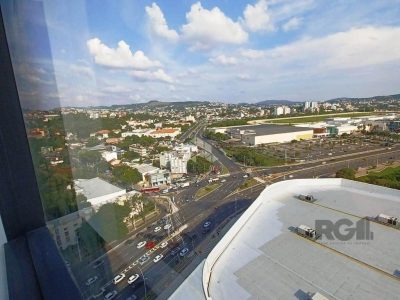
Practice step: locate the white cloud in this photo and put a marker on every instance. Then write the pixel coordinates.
(158, 75)
(257, 17)
(251, 53)
(224, 60)
(120, 57)
(158, 24)
(82, 70)
(244, 77)
(206, 29)
(292, 24)
(357, 47)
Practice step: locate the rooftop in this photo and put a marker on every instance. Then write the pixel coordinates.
(261, 257)
(266, 129)
(95, 187)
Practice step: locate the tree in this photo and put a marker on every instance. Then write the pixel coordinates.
(346, 173)
(126, 175)
(89, 158)
(130, 155)
(198, 165)
(109, 221)
(92, 141)
(89, 239)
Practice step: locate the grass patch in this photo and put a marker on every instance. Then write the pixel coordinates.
(389, 177)
(252, 156)
(316, 118)
(207, 189)
(248, 183)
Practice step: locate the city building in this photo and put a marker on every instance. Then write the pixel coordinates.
(98, 191)
(160, 177)
(175, 161)
(265, 256)
(64, 229)
(165, 132)
(267, 133)
(142, 151)
(109, 155)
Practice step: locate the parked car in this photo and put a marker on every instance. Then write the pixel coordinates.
(163, 245)
(175, 250)
(133, 278)
(158, 258)
(119, 278)
(157, 229)
(141, 244)
(183, 252)
(167, 226)
(91, 280)
(110, 295)
(143, 259)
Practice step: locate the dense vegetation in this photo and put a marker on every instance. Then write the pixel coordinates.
(346, 173)
(216, 136)
(126, 176)
(389, 177)
(198, 165)
(252, 157)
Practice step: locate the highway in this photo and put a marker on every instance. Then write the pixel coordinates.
(216, 207)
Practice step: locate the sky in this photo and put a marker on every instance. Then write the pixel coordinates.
(83, 53)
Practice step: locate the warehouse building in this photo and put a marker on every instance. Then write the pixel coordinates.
(264, 255)
(267, 133)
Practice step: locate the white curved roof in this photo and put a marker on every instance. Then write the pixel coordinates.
(262, 258)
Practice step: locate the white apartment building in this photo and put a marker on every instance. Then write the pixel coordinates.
(175, 161)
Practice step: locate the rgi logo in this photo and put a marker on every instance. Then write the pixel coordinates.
(344, 229)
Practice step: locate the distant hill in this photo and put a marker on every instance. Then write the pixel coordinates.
(157, 103)
(379, 98)
(277, 102)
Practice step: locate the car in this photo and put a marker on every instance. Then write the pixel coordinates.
(163, 245)
(110, 295)
(223, 180)
(133, 278)
(119, 278)
(290, 176)
(207, 224)
(141, 244)
(91, 280)
(183, 252)
(158, 258)
(167, 226)
(157, 229)
(97, 263)
(175, 250)
(245, 176)
(143, 259)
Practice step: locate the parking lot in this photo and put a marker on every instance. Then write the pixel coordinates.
(321, 148)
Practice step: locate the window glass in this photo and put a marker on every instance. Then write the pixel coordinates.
(150, 133)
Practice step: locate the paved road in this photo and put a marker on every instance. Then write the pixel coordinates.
(216, 207)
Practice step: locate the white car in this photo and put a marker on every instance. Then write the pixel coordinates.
(141, 244)
(119, 278)
(110, 295)
(163, 245)
(91, 280)
(223, 180)
(157, 229)
(183, 252)
(133, 278)
(206, 224)
(168, 226)
(158, 258)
